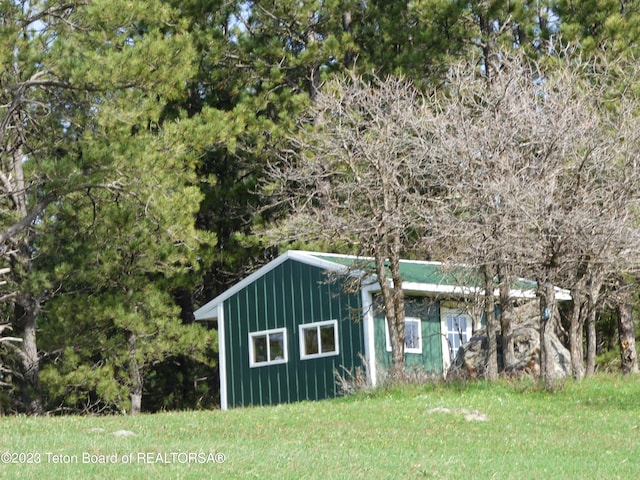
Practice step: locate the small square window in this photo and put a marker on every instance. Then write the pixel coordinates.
(318, 339)
(412, 335)
(267, 347)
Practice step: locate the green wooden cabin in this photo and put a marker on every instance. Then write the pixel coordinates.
(286, 329)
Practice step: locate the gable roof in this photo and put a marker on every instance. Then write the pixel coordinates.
(417, 276)
(209, 308)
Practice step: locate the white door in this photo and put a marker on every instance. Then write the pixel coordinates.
(457, 327)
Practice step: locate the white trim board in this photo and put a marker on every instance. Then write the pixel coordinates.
(222, 359)
(368, 327)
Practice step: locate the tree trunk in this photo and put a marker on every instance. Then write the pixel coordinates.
(491, 370)
(136, 401)
(27, 307)
(626, 333)
(547, 297)
(32, 366)
(393, 302)
(349, 55)
(593, 289)
(576, 327)
(506, 322)
(27, 312)
(591, 338)
(135, 374)
(398, 300)
(314, 70)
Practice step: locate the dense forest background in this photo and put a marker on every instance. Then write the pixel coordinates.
(138, 142)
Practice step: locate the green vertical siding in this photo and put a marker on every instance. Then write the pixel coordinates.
(290, 294)
(428, 310)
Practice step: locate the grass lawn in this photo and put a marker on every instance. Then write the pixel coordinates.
(589, 429)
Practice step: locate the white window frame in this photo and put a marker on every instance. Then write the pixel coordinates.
(318, 325)
(268, 333)
(406, 320)
(451, 311)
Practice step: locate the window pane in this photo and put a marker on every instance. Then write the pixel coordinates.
(462, 327)
(260, 349)
(310, 341)
(276, 346)
(327, 339)
(412, 335)
(457, 333)
(451, 323)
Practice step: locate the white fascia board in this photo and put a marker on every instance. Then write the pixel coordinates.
(222, 358)
(436, 288)
(311, 258)
(368, 327)
(430, 288)
(209, 311)
(561, 294)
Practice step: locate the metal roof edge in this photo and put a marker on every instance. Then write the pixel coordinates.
(357, 257)
(314, 259)
(311, 258)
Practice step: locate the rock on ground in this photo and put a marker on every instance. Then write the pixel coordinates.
(472, 357)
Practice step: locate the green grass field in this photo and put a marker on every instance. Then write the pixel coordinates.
(584, 430)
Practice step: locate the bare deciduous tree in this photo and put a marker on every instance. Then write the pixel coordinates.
(358, 177)
(505, 142)
(593, 205)
(529, 173)
(542, 183)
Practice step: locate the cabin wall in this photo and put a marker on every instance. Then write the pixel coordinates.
(293, 293)
(430, 359)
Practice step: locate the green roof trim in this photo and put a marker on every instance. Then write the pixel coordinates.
(412, 271)
(424, 272)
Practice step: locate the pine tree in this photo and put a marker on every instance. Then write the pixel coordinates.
(79, 81)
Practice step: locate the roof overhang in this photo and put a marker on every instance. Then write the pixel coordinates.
(320, 260)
